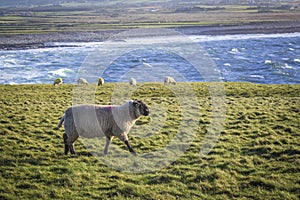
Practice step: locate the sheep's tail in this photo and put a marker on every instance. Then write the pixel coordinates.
(61, 121)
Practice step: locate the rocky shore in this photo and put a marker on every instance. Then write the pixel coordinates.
(26, 41)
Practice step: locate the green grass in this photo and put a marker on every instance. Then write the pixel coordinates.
(257, 155)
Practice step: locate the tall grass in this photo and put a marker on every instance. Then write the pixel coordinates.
(257, 155)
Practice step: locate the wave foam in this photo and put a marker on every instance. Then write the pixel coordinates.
(63, 72)
(206, 38)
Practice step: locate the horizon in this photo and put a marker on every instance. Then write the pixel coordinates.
(76, 3)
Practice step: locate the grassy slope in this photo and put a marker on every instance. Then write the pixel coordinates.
(257, 155)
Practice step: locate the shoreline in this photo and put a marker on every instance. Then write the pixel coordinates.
(33, 41)
(112, 84)
(156, 83)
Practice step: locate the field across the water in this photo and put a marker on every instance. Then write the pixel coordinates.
(257, 155)
(40, 26)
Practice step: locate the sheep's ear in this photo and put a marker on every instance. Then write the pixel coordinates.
(136, 103)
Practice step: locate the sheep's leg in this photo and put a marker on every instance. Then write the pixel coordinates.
(71, 146)
(123, 137)
(129, 147)
(65, 136)
(108, 141)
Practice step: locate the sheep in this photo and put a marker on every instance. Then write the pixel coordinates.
(90, 121)
(132, 82)
(100, 81)
(58, 81)
(169, 80)
(82, 81)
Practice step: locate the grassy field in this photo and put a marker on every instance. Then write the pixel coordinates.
(257, 155)
(120, 16)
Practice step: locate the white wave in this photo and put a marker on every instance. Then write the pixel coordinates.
(257, 76)
(19, 77)
(12, 83)
(147, 64)
(286, 66)
(285, 59)
(43, 64)
(234, 51)
(206, 38)
(227, 64)
(268, 62)
(297, 60)
(11, 62)
(63, 72)
(72, 44)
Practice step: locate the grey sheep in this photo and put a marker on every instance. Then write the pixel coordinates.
(169, 80)
(132, 82)
(90, 121)
(82, 81)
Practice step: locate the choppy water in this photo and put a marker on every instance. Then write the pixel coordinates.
(269, 59)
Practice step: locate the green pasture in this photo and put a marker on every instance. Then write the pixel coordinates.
(111, 16)
(256, 156)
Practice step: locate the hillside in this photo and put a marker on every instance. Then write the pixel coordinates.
(257, 155)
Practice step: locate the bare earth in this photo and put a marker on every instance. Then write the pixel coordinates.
(26, 41)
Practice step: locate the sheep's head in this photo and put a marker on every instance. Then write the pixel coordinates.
(140, 108)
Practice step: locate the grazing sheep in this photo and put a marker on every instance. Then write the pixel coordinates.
(170, 80)
(82, 81)
(58, 81)
(132, 82)
(100, 81)
(92, 121)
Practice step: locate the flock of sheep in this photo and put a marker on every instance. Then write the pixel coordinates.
(132, 81)
(90, 121)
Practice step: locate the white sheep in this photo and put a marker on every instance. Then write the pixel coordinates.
(58, 81)
(132, 82)
(92, 121)
(169, 80)
(82, 81)
(100, 81)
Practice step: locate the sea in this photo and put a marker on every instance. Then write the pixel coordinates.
(255, 58)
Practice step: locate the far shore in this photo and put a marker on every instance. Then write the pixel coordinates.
(31, 41)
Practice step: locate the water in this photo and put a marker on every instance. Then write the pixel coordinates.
(268, 59)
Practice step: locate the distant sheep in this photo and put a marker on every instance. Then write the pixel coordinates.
(58, 81)
(82, 81)
(132, 82)
(100, 81)
(92, 121)
(169, 80)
